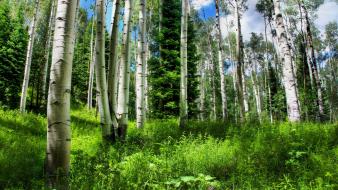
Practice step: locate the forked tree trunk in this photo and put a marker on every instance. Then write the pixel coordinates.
(101, 81)
(123, 97)
(289, 81)
(113, 64)
(58, 107)
(220, 64)
(184, 63)
(28, 59)
(140, 67)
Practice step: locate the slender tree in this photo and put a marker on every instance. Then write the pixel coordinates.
(239, 66)
(101, 81)
(123, 97)
(47, 54)
(140, 67)
(29, 58)
(312, 58)
(58, 107)
(184, 69)
(113, 64)
(91, 67)
(220, 63)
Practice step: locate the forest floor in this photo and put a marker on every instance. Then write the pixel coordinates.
(207, 155)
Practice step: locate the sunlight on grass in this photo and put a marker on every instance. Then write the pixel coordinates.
(163, 156)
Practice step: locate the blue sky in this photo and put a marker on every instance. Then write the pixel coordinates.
(252, 21)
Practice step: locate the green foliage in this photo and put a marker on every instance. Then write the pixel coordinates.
(164, 65)
(163, 156)
(13, 42)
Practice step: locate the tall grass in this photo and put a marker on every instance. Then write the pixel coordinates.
(163, 156)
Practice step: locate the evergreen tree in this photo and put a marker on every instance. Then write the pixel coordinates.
(13, 43)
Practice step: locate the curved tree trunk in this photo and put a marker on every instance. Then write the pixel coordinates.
(289, 80)
(28, 59)
(101, 81)
(123, 97)
(58, 107)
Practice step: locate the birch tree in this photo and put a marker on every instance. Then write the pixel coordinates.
(101, 81)
(140, 67)
(48, 45)
(123, 97)
(113, 64)
(29, 58)
(220, 62)
(288, 79)
(91, 66)
(184, 69)
(312, 58)
(239, 59)
(58, 107)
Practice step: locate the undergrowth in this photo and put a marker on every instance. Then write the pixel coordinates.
(204, 155)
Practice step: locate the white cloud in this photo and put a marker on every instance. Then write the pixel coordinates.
(327, 12)
(198, 4)
(251, 21)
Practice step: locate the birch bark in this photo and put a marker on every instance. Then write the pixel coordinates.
(123, 97)
(288, 79)
(58, 107)
(29, 59)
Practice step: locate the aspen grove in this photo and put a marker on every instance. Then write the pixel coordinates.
(168, 94)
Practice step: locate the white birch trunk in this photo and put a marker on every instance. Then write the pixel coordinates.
(123, 97)
(289, 81)
(58, 107)
(220, 64)
(91, 67)
(100, 68)
(29, 59)
(140, 67)
(113, 63)
(184, 62)
(48, 46)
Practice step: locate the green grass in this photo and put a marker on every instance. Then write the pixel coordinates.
(162, 156)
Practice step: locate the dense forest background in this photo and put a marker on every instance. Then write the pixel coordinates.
(183, 90)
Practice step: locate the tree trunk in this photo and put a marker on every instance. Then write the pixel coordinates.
(289, 81)
(29, 59)
(267, 70)
(184, 62)
(91, 67)
(113, 64)
(123, 97)
(255, 85)
(140, 67)
(101, 81)
(220, 64)
(239, 57)
(48, 46)
(313, 61)
(58, 107)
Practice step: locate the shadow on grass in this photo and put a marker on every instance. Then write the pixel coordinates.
(22, 149)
